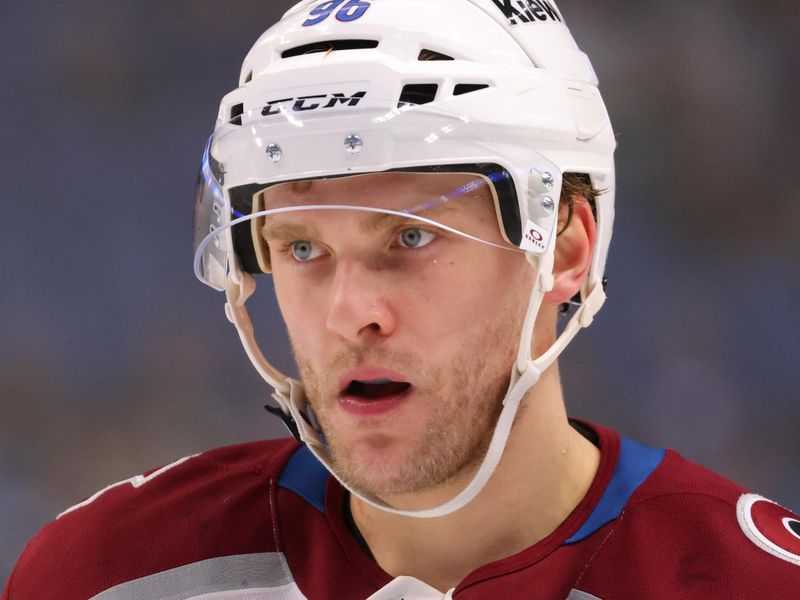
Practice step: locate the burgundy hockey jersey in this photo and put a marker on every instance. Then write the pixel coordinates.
(264, 521)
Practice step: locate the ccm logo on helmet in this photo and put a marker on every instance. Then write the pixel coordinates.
(301, 103)
(527, 11)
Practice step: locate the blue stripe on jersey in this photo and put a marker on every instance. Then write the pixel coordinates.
(635, 464)
(305, 475)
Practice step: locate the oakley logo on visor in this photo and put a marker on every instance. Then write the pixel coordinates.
(535, 239)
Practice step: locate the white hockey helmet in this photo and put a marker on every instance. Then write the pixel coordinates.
(494, 88)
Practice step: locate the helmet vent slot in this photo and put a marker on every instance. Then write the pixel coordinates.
(249, 77)
(466, 88)
(426, 54)
(329, 46)
(236, 114)
(418, 93)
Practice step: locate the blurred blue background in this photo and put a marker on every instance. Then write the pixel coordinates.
(114, 359)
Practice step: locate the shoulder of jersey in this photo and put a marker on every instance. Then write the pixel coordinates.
(688, 532)
(217, 503)
(682, 478)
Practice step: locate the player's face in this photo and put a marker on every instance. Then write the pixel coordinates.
(404, 333)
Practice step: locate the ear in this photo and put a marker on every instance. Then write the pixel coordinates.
(574, 251)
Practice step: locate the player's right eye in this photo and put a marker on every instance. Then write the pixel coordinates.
(304, 251)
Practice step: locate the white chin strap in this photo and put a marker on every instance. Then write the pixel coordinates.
(525, 373)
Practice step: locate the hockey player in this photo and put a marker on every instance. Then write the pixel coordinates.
(429, 183)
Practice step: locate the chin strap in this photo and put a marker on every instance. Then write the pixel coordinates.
(312, 438)
(293, 403)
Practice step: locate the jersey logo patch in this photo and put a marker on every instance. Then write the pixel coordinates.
(769, 526)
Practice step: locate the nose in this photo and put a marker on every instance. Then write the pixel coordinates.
(360, 303)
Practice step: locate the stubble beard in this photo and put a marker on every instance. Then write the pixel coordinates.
(464, 402)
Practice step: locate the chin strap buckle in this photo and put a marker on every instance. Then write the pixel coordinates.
(288, 421)
(287, 410)
(591, 305)
(295, 412)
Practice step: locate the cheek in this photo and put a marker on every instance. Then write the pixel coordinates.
(462, 295)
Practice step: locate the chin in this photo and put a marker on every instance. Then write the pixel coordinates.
(381, 464)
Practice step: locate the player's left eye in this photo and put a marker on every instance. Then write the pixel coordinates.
(304, 251)
(414, 237)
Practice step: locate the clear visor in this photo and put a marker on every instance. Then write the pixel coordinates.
(387, 180)
(211, 215)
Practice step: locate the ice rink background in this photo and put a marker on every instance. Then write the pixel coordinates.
(114, 359)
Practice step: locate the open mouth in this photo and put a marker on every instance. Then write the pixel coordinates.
(375, 389)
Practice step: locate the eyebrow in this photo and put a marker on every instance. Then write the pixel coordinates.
(288, 232)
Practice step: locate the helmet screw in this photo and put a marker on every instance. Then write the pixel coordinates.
(547, 180)
(548, 205)
(274, 152)
(353, 144)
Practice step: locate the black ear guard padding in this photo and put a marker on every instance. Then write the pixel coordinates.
(243, 245)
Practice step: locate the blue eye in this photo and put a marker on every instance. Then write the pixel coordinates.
(414, 237)
(303, 250)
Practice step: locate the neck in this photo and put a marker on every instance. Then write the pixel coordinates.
(546, 470)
